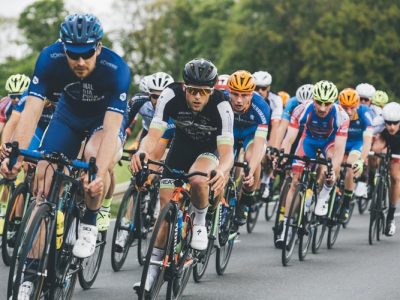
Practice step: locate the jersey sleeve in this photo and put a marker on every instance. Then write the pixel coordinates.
(343, 122)
(276, 107)
(119, 95)
(161, 115)
(38, 86)
(290, 106)
(226, 133)
(298, 112)
(134, 107)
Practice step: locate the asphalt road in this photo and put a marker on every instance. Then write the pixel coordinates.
(352, 270)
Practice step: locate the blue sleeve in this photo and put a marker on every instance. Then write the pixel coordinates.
(289, 108)
(119, 95)
(262, 108)
(38, 86)
(134, 107)
(366, 116)
(19, 107)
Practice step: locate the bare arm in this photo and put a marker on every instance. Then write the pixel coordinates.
(273, 139)
(258, 153)
(367, 143)
(289, 139)
(10, 127)
(281, 132)
(339, 148)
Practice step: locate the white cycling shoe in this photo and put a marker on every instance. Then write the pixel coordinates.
(25, 290)
(321, 209)
(86, 243)
(199, 238)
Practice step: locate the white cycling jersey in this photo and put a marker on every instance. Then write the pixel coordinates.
(276, 104)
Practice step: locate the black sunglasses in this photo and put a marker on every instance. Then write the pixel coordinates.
(364, 99)
(76, 56)
(392, 122)
(14, 96)
(263, 88)
(154, 96)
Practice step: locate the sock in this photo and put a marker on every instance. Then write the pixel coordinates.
(347, 198)
(107, 202)
(199, 216)
(156, 255)
(90, 217)
(392, 209)
(324, 194)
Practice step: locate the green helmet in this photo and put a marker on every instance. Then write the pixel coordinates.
(17, 84)
(325, 91)
(380, 98)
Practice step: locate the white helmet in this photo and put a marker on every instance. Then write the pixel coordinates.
(391, 112)
(366, 90)
(304, 93)
(143, 84)
(158, 81)
(262, 78)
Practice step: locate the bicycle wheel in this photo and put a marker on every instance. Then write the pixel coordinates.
(334, 224)
(362, 204)
(6, 189)
(252, 216)
(351, 211)
(375, 214)
(204, 257)
(272, 202)
(144, 227)
(165, 218)
(291, 227)
(65, 265)
(305, 233)
(227, 233)
(32, 256)
(123, 230)
(90, 266)
(280, 212)
(318, 227)
(12, 223)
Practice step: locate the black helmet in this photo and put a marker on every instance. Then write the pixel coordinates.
(200, 71)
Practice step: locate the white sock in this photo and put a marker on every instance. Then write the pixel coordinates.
(156, 255)
(324, 194)
(200, 216)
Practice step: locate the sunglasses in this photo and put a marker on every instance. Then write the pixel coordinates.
(154, 96)
(320, 103)
(364, 99)
(195, 90)
(392, 122)
(263, 88)
(243, 95)
(76, 56)
(14, 96)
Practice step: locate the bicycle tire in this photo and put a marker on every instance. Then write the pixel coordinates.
(42, 213)
(351, 212)
(252, 216)
(201, 266)
(319, 228)
(305, 234)
(143, 230)
(9, 232)
(290, 242)
(273, 198)
(374, 220)
(277, 229)
(118, 256)
(362, 204)
(165, 215)
(86, 279)
(334, 226)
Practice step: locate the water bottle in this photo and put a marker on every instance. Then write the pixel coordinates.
(309, 195)
(59, 229)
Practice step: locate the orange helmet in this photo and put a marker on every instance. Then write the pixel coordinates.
(242, 81)
(285, 97)
(349, 98)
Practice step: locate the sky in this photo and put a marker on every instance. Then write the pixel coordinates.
(101, 8)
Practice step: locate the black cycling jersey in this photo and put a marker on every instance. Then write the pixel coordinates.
(393, 141)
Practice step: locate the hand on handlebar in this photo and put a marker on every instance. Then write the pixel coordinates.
(217, 182)
(95, 188)
(136, 162)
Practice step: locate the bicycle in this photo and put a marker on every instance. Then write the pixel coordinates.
(301, 222)
(222, 230)
(380, 197)
(44, 256)
(16, 210)
(134, 222)
(179, 258)
(7, 187)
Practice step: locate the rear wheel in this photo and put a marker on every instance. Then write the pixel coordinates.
(204, 257)
(280, 212)
(252, 216)
(375, 214)
(334, 223)
(272, 202)
(144, 227)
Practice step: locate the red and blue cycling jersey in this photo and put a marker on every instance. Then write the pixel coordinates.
(318, 133)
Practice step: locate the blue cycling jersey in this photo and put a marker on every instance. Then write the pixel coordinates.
(361, 121)
(105, 89)
(291, 104)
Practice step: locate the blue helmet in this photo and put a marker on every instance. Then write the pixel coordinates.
(81, 29)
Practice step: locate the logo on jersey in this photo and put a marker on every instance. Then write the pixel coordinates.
(122, 97)
(57, 55)
(35, 80)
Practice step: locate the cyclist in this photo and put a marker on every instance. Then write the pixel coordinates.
(250, 130)
(325, 127)
(380, 99)
(285, 97)
(222, 83)
(15, 85)
(358, 142)
(390, 137)
(92, 83)
(204, 127)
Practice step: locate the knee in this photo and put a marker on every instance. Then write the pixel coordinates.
(198, 183)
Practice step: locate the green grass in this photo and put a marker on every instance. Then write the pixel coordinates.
(122, 173)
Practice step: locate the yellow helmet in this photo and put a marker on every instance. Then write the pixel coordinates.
(17, 84)
(349, 98)
(241, 81)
